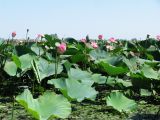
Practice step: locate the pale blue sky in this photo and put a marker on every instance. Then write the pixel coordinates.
(77, 18)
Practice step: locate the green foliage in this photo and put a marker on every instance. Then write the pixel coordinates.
(2, 106)
(49, 105)
(98, 54)
(98, 78)
(23, 62)
(112, 70)
(119, 82)
(16, 61)
(119, 102)
(43, 68)
(83, 76)
(26, 60)
(81, 72)
(37, 49)
(51, 40)
(11, 68)
(148, 72)
(73, 89)
(145, 92)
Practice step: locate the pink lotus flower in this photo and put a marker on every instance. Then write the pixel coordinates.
(113, 40)
(83, 40)
(40, 36)
(61, 48)
(14, 34)
(100, 37)
(94, 45)
(109, 47)
(158, 37)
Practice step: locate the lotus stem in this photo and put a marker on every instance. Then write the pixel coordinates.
(56, 65)
(13, 104)
(85, 66)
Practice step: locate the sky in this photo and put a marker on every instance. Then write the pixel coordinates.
(125, 19)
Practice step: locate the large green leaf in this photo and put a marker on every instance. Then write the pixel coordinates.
(61, 85)
(98, 78)
(47, 106)
(103, 55)
(43, 68)
(131, 63)
(84, 76)
(117, 81)
(148, 72)
(73, 89)
(26, 61)
(119, 102)
(112, 70)
(98, 54)
(78, 58)
(10, 68)
(125, 83)
(37, 49)
(110, 81)
(67, 65)
(152, 63)
(79, 91)
(16, 61)
(23, 62)
(58, 83)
